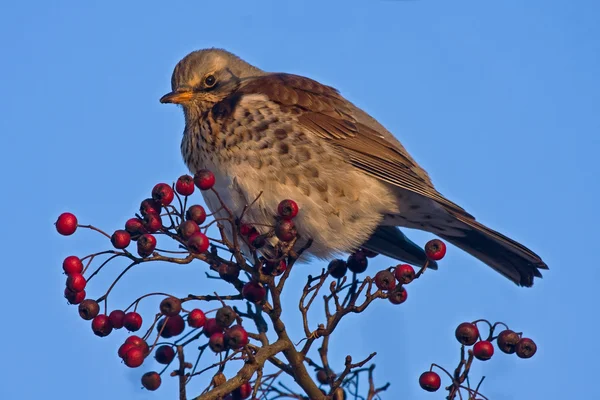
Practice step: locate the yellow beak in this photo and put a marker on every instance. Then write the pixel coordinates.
(177, 97)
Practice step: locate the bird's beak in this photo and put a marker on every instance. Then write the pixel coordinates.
(178, 97)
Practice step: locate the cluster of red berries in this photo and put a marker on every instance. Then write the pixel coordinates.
(467, 334)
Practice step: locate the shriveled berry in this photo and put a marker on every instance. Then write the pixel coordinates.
(135, 227)
(225, 316)
(117, 318)
(134, 357)
(526, 348)
(172, 327)
(285, 230)
(507, 341)
(101, 325)
(163, 194)
(211, 326)
(185, 185)
(483, 350)
(435, 249)
(229, 272)
(152, 223)
(76, 282)
(467, 333)
(357, 262)
(188, 228)
(138, 342)
(164, 354)
(198, 243)
(72, 265)
(146, 245)
(385, 280)
(150, 206)
(66, 224)
(204, 179)
(216, 342)
(88, 309)
(430, 381)
(196, 318)
(243, 392)
(196, 213)
(170, 306)
(254, 292)
(287, 209)
(337, 268)
(236, 337)
(323, 376)
(404, 273)
(120, 239)
(151, 380)
(398, 295)
(74, 297)
(132, 321)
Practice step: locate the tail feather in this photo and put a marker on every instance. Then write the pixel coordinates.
(391, 242)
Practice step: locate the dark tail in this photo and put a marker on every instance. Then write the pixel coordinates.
(391, 242)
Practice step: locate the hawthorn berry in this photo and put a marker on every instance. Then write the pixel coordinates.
(120, 239)
(134, 357)
(173, 326)
(101, 325)
(151, 380)
(337, 268)
(274, 268)
(430, 381)
(243, 392)
(138, 342)
(211, 326)
(229, 272)
(483, 350)
(66, 224)
(435, 249)
(225, 316)
(74, 297)
(164, 354)
(88, 309)
(196, 318)
(507, 341)
(467, 333)
(185, 185)
(256, 240)
(246, 229)
(124, 348)
(196, 213)
(285, 230)
(323, 376)
(72, 265)
(163, 194)
(76, 282)
(287, 209)
(150, 206)
(170, 306)
(204, 179)
(132, 321)
(254, 292)
(146, 245)
(135, 227)
(357, 262)
(188, 228)
(152, 223)
(404, 273)
(198, 243)
(385, 280)
(398, 295)
(526, 348)
(117, 318)
(236, 337)
(216, 342)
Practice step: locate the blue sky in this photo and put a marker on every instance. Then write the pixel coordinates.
(497, 100)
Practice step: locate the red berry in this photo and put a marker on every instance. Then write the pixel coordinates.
(404, 273)
(185, 185)
(274, 268)
(398, 295)
(146, 245)
(150, 206)
(101, 325)
(66, 224)
(164, 354)
(120, 239)
(134, 357)
(132, 321)
(507, 341)
(285, 230)
(163, 194)
(287, 209)
(256, 240)
(369, 253)
(72, 265)
(188, 228)
(211, 326)
(196, 213)
(216, 342)
(198, 243)
(229, 272)
(254, 292)
(151, 380)
(74, 297)
(117, 318)
(76, 282)
(170, 306)
(88, 309)
(435, 249)
(204, 179)
(357, 262)
(135, 227)
(246, 229)
(337, 268)
(243, 392)
(172, 327)
(124, 348)
(225, 316)
(526, 348)
(152, 223)
(430, 381)
(236, 337)
(138, 342)
(385, 280)
(483, 350)
(467, 333)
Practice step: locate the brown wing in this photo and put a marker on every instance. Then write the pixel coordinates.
(325, 113)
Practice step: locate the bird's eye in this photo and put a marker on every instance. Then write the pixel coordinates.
(210, 81)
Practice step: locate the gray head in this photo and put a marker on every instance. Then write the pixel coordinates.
(205, 77)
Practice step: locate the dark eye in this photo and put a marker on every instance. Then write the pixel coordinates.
(210, 81)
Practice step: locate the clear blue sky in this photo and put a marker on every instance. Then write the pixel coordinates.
(497, 100)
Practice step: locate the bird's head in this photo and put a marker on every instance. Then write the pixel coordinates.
(205, 77)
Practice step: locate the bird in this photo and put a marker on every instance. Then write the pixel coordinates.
(269, 136)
